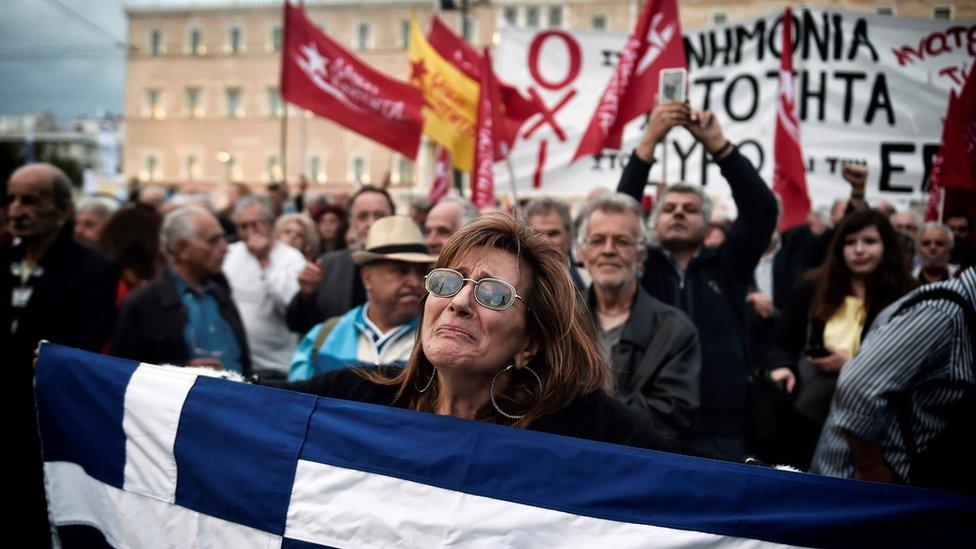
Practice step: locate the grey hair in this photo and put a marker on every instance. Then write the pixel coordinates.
(102, 205)
(616, 203)
(246, 202)
(308, 227)
(940, 226)
(545, 205)
(683, 188)
(468, 211)
(178, 224)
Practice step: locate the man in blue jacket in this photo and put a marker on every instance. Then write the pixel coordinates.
(709, 285)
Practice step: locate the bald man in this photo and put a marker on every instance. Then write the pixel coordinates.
(53, 288)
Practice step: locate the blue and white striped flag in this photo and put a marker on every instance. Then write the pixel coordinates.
(142, 456)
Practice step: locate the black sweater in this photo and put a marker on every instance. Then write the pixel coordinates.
(595, 416)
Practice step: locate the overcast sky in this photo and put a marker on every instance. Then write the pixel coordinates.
(53, 60)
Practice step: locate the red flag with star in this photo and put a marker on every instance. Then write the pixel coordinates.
(320, 75)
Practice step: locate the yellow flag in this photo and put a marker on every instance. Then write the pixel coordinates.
(450, 99)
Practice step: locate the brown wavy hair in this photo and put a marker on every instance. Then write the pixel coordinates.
(568, 360)
(889, 281)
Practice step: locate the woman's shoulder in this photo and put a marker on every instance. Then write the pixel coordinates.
(348, 384)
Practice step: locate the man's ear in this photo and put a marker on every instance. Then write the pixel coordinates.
(366, 275)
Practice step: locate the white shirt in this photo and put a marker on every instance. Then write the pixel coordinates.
(261, 297)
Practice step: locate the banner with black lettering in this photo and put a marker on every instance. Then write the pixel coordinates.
(869, 88)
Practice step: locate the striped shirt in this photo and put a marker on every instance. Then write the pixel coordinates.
(924, 353)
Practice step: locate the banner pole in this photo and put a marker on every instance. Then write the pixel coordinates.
(511, 175)
(283, 144)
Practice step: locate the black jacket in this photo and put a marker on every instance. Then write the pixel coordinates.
(656, 363)
(151, 322)
(341, 289)
(72, 302)
(713, 288)
(595, 416)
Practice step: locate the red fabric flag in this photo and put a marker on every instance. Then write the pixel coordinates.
(515, 108)
(442, 177)
(485, 145)
(952, 182)
(320, 75)
(789, 175)
(655, 44)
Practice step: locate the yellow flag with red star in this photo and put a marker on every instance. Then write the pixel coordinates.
(450, 99)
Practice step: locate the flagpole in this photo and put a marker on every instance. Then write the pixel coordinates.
(303, 142)
(511, 172)
(283, 144)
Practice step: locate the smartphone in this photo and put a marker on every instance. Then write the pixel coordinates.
(673, 84)
(817, 351)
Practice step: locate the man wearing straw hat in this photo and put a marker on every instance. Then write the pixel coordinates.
(382, 330)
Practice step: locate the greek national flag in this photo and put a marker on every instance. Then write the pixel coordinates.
(143, 456)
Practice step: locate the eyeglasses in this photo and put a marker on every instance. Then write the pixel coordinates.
(491, 293)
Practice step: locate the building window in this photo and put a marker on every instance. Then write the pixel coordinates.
(405, 33)
(316, 169)
(194, 42)
(719, 17)
(150, 168)
(194, 106)
(942, 12)
(154, 104)
(470, 29)
(364, 35)
(510, 13)
(402, 171)
(235, 41)
(234, 107)
(358, 171)
(599, 22)
(273, 170)
(276, 39)
(532, 16)
(233, 166)
(275, 106)
(885, 10)
(193, 170)
(556, 17)
(156, 42)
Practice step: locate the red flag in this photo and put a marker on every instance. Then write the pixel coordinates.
(655, 44)
(953, 178)
(442, 177)
(789, 175)
(483, 177)
(320, 75)
(515, 108)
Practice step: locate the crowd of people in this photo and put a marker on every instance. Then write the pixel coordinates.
(663, 329)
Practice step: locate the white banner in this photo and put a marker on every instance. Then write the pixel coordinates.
(869, 88)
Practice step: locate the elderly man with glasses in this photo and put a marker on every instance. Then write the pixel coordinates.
(652, 347)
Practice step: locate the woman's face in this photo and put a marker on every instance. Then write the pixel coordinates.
(293, 234)
(459, 334)
(329, 225)
(863, 251)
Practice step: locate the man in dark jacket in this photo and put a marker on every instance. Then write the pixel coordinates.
(185, 316)
(652, 347)
(332, 285)
(709, 285)
(53, 288)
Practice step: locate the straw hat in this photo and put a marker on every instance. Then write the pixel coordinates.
(394, 238)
